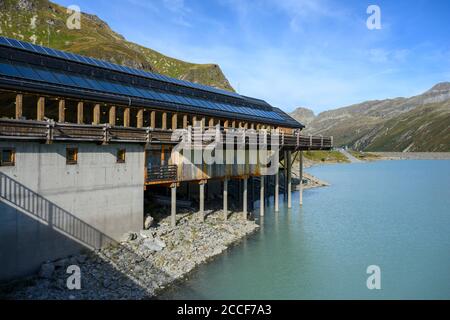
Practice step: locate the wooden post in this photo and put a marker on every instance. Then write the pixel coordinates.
(126, 117)
(62, 111)
(96, 116)
(112, 115)
(225, 199)
(140, 118)
(80, 106)
(289, 165)
(211, 122)
(226, 124)
(301, 178)
(233, 124)
(185, 121)
(194, 121)
(41, 109)
(174, 121)
(153, 119)
(164, 121)
(19, 106)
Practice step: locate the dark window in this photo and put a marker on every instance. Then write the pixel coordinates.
(8, 157)
(71, 155)
(121, 155)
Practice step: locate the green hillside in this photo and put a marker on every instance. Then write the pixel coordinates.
(43, 22)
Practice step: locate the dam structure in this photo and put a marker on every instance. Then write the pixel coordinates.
(84, 143)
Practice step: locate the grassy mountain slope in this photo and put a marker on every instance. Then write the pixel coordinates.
(43, 22)
(419, 123)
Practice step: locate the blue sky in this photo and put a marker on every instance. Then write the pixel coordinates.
(312, 53)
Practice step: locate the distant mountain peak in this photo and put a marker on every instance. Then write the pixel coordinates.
(442, 86)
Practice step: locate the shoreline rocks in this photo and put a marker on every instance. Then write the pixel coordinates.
(142, 263)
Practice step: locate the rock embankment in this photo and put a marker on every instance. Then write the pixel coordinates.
(142, 264)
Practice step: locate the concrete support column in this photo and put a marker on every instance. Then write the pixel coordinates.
(202, 200)
(41, 109)
(277, 191)
(173, 205)
(289, 169)
(244, 198)
(225, 199)
(80, 115)
(285, 176)
(301, 178)
(140, 118)
(96, 116)
(262, 197)
(19, 108)
(112, 115)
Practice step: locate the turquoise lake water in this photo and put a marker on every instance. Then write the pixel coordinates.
(393, 214)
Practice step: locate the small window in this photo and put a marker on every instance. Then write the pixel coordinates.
(8, 157)
(121, 155)
(71, 156)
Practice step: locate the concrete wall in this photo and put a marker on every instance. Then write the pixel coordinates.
(49, 210)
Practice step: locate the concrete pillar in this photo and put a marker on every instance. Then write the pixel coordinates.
(112, 115)
(202, 200)
(277, 191)
(285, 176)
(80, 115)
(41, 109)
(19, 106)
(96, 116)
(173, 205)
(140, 118)
(225, 199)
(262, 197)
(289, 167)
(301, 178)
(244, 198)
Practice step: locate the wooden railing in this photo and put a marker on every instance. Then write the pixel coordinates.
(50, 131)
(166, 173)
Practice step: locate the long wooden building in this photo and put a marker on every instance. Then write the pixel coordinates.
(81, 139)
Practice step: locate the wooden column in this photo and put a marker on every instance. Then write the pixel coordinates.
(153, 119)
(112, 115)
(80, 106)
(164, 121)
(211, 122)
(301, 178)
(174, 121)
(202, 200)
(126, 117)
(173, 205)
(41, 109)
(62, 111)
(140, 118)
(226, 123)
(185, 121)
(19, 106)
(233, 124)
(194, 121)
(96, 115)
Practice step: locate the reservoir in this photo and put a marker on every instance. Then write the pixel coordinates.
(392, 214)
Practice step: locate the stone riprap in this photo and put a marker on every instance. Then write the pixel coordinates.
(142, 264)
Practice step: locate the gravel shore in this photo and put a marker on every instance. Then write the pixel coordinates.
(141, 265)
(413, 155)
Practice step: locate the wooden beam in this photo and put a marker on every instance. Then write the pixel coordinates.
(19, 106)
(185, 121)
(112, 115)
(62, 111)
(80, 119)
(140, 118)
(40, 109)
(153, 119)
(126, 117)
(174, 121)
(96, 115)
(164, 121)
